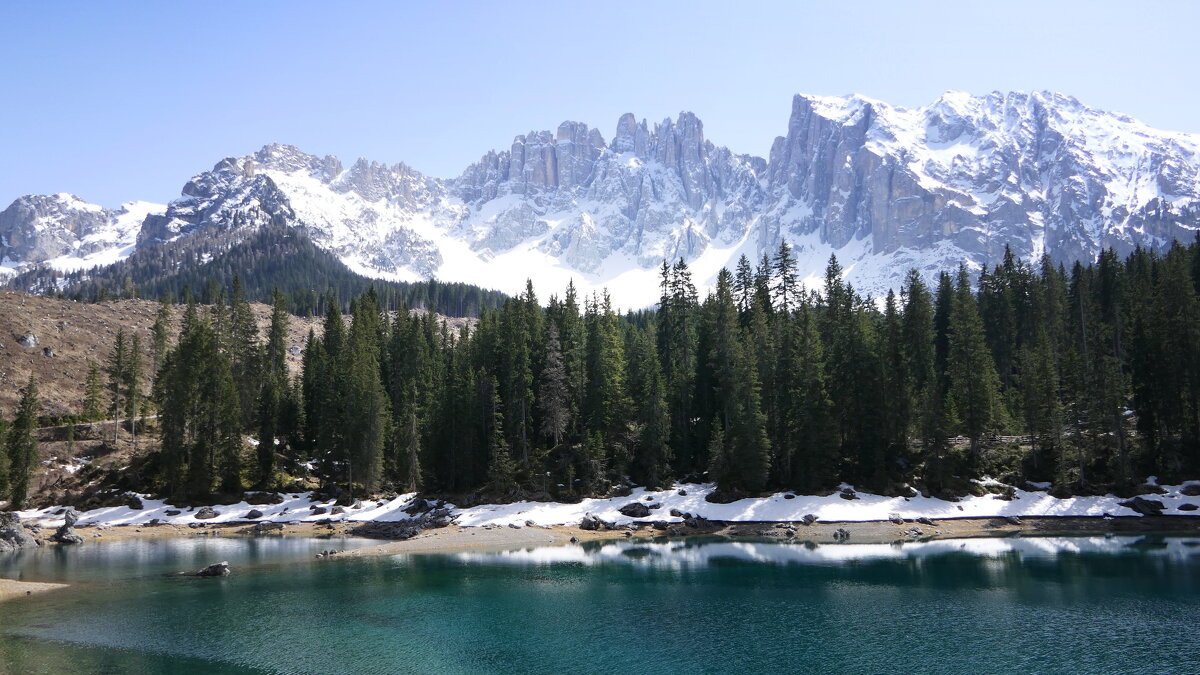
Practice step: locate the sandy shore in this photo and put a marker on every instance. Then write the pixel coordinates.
(456, 538)
(18, 589)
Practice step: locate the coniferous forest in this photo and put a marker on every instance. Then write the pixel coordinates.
(1087, 377)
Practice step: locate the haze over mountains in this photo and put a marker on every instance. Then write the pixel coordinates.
(885, 188)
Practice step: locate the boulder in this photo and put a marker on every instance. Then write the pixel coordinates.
(635, 510)
(12, 535)
(318, 510)
(848, 494)
(1190, 490)
(206, 512)
(263, 498)
(682, 493)
(48, 352)
(253, 514)
(220, 569)
(172, 512)
(418, 505)
(28, 341)
(895, 518)
(808, 519)
(67, 535)
(924, 520)
(1012, 520)
(591, 522)
(1146, 507)
(1188, 507)
(841, 534)
(337, 509)
(676, 513)
(789, 496)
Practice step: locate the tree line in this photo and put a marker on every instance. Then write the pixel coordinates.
(762, 385)
(272, 258)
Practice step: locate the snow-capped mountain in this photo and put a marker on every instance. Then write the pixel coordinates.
(885, 188)
(67, 233)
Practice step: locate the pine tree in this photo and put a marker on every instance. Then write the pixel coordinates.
(132, 382)
(810, 427)
(678, 347)
(366, 413)
(652, 454)
(740, 415)
(786, 291)
(501, 469)
(22, 445)
(974, 385)
(244, 352)
(553, 400)
(118, 363)
(160, 334)
(93, 405)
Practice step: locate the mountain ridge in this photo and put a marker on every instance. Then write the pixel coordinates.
(885, 188)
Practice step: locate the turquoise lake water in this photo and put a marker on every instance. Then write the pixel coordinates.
(1087, 605)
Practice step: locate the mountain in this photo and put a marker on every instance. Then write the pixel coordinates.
(67, 233)
(885, 188)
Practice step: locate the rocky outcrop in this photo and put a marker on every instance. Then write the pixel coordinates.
(37, 228)
(206, 513)
(13, 536)
(220, 569)
(635, 510)
(66, 534)
(1145, 507)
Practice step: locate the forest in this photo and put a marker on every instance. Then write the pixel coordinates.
(1087, 378)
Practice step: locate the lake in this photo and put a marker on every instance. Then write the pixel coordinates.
(1097, 604)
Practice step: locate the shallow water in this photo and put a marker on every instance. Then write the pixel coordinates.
(987, 605)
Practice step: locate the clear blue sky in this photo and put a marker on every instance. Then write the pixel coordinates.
(117, 101)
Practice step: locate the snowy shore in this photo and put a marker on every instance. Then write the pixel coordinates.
(687, 499)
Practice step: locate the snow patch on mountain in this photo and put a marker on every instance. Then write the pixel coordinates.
(885, 188)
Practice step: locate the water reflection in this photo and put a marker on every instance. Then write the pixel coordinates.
(134, 558)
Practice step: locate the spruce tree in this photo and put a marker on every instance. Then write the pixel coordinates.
(553, 400)
(118, 363)
(93, 394)
(652, 454)
(132, 382)
(786, 291)
(22, 445)
(974, 385)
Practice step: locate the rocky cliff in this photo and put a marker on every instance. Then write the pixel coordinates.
(885, 188)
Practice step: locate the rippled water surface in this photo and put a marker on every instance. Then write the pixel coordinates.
(986, 605)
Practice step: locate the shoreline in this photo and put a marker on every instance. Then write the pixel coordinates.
(456, 539)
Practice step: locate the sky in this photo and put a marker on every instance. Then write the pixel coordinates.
(118, 101)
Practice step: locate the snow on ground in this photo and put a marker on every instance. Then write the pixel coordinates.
(775, 508)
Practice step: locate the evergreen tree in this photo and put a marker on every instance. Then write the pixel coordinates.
(118, 364)
(552, 392)
(160, 335)
(974, 385)
(244, 352)
(22, 445)
(132, 383)
(93, 405)
(652, 454)
(786, 291)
